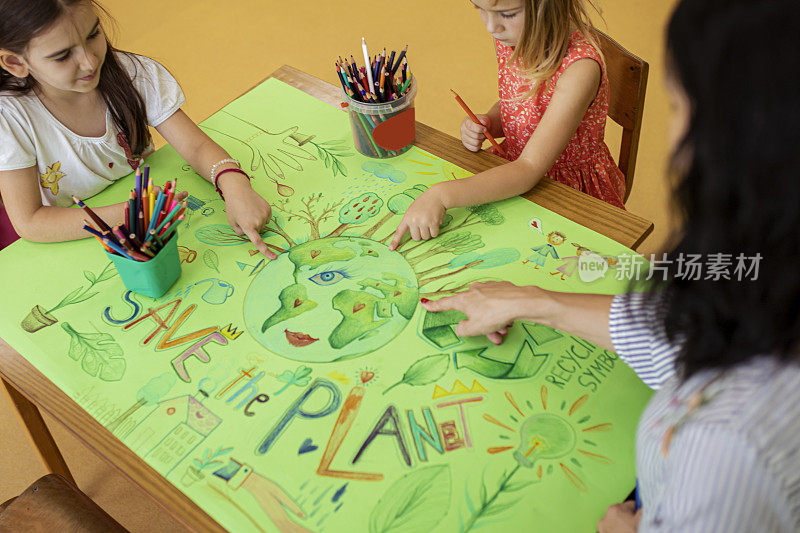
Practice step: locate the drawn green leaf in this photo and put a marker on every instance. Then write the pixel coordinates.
(68, 298)
(98, 353)
(424, 371)
(107, 273)
(83, 297)
(211, 259)
(519, 485)
(414, 503)
(90, 276)
(497, 508)
(470, 505)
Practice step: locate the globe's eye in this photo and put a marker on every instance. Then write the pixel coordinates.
(328, 277)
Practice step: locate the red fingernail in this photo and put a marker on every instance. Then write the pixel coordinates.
(424, 300)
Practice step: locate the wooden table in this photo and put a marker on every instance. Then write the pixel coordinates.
(30, 390)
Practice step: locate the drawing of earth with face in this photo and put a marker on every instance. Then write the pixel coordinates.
(331, 299)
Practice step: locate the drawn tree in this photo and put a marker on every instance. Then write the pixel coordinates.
(357, 211)
(476, 214)
(308, 212)
(490, 259)
(149, 394)
(397, 204)
(456, 243)
(224, 235)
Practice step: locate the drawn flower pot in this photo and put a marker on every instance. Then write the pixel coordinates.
(191, 476)
(37, 319)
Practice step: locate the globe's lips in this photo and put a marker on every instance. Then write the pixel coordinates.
(298, 340)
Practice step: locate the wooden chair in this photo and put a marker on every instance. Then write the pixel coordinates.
(627, 78)
(53, 504)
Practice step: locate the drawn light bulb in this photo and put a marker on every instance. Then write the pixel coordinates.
(544, 436)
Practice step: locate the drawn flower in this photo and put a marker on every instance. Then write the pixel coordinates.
(50, 178)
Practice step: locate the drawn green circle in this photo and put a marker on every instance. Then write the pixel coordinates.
(331, 299)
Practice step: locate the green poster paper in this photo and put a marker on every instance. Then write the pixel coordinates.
(313, 391)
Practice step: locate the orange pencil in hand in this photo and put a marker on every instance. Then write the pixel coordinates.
(476, 121)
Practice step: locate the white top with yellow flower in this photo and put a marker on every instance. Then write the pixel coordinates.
(70, 164)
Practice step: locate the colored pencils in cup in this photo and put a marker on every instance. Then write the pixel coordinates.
(150, 220)
(376, 81)
(476, 121)
(380, 80)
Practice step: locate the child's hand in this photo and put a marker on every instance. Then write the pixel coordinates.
(422, 219)
(247, 211)
(472, 135)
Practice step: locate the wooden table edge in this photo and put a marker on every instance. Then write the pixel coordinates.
(15, 370)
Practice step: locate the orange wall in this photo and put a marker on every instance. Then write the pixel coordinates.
(218, 49)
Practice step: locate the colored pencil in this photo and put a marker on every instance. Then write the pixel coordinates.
(400, 59)
(173, 215)
(109, 250)
(117, 248)
(159, 204)
(117, 231)
(97, 220)
(367, 62)
(172, 228)
(140, 225)
(476, 121)
(138, 181)
(130, 220)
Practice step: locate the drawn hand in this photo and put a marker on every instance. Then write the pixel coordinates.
(472, 135)
(490, 308)
(247, 211)
(275, 503)
(422, 219)
(620, 518)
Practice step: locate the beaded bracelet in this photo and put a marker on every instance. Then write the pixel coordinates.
(218, 164)
(221, 172)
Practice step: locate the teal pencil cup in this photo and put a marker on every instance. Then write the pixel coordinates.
(151, 278)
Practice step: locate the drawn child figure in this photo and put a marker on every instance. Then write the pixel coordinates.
(74, 117)
(552, 111)
(570, 264)
(539, 258)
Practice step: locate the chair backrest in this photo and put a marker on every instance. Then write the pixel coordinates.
(627, 78)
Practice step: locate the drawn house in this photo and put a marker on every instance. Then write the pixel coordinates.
(171, 431)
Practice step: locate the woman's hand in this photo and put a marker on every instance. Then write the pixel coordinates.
(473, 135)
(247, 211)
(422, 219)
(620, 518)
(491, 308)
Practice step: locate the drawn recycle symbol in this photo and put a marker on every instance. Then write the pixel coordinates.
(331, 299)
(496, 363)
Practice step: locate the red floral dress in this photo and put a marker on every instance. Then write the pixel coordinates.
(586, 163)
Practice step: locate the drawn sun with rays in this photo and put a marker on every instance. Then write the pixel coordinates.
(552, 437)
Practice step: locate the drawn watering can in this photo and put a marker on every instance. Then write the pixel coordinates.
(218, 292)
(195, 204)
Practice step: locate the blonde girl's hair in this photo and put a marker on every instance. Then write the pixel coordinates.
(545, 36)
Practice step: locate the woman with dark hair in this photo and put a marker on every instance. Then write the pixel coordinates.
(718, 447)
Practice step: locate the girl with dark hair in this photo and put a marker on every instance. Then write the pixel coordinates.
(74, 117)
(718, 447)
